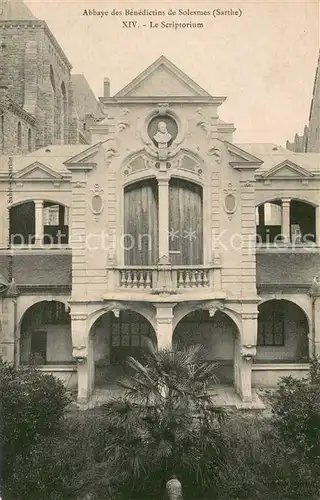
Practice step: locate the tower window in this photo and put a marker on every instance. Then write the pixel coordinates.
(19, 135)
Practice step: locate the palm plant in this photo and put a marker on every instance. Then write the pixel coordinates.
(165, 423)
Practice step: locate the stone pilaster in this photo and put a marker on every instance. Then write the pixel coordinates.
(83, 354)
(164, 317)
(246, 350)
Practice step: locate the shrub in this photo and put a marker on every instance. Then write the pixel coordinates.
(31, 407)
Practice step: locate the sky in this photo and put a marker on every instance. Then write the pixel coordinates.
(263, 61)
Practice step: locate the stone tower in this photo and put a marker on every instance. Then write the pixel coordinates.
(36, 97)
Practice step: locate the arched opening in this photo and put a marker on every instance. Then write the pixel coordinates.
(19, 135)
(140, 239)
(22, 224)
(56, 224)
(63, 113)
(29, 140)
(282, 333)
(116, 338)
(218, 335)
(45, 337)
(185, 222)
(271, 222)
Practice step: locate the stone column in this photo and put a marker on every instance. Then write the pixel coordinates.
(83, 355)
(163, 195)
(38, 205)
(246, 352)
(285, 217)
(164, 329)
(318, 225)
(314, 334)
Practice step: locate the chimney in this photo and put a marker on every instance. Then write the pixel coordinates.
(106, 87)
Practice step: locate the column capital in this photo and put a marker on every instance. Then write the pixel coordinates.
(286, 201)
(78, 317)
(250, 316)
(38, 203)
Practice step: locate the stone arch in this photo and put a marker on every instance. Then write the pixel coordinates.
(301, 219)
(115, 335)
(216, 332)
(45, 334)
(283, 332)
(297, 300)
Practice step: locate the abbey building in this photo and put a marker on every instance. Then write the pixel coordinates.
(135, 222)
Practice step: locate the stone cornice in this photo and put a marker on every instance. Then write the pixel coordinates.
(18, 110)
(33, 23)
(170, 99)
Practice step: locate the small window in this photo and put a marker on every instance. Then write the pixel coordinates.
(19, 135)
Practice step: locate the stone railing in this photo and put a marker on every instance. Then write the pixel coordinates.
(164, 278)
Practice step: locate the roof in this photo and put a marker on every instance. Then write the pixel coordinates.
(38, 269)
(15, 10)
(287, 268)
(84, 99)
(51, 156)
(273, 154)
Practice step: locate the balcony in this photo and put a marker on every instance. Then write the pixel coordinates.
(165, 279)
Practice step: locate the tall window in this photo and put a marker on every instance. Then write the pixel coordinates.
(29, 140)
(19, 135)
(53, 106)
(2, 132)
(185, 223)
(63, 112)
(140, 240)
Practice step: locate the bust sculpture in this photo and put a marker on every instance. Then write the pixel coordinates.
(162, 136)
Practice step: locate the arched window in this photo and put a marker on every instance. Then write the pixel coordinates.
(185, 223)
(2, 132)
(19, 135)
(53, 107)
(29, 140)
(63, 113)
(140, 241)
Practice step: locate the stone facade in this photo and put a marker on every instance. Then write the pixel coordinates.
(233, 257)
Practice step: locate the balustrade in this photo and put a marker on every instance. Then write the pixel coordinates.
(162, 278)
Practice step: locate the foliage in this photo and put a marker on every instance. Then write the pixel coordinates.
(259, 464)
(164, 424)
(296, 409)
(31, 407)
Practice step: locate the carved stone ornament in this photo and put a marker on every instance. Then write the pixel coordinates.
(314, 290)
(209, 125)
(216, 153)
(212, 307)
(111, 149)
(97, 204)
(123, 122)
(163, 108)
(80, 353)
(230, 201)
(248, 352)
